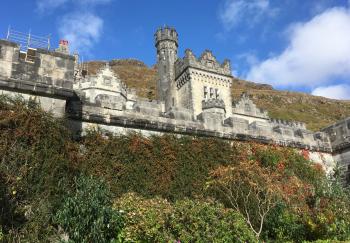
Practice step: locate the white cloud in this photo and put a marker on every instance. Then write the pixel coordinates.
(49, 5)
(238, 11)
(248, 57)
(80, 26)
(92, 2)
(317, 53)
(340, 92)
(82, 30)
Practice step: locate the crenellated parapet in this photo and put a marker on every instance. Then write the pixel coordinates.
(339, 134)
(207, 61)
(40, 66)
(166, 34)
(287, 123)
(213, 103)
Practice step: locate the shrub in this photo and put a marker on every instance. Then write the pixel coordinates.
(282, 225)
(86, 214)
(166, 166)
(33, 169)
(157, 220)
(208, 221)
(146, 220)
(268, 157)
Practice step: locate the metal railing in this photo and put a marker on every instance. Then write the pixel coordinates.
(28, 40)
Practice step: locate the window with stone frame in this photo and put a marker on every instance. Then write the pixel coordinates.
(333, 135)
(247, 107)
(217, 93)
(211, 93)
(205, 92)
(107, 80)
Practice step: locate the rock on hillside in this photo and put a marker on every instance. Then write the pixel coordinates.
(316, 112)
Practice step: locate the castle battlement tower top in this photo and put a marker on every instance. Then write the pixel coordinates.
(166, 34)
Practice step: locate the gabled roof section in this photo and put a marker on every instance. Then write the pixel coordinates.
(104, 79)
(245, 106)
(206, 62)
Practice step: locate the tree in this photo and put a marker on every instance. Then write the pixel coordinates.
(247, 188)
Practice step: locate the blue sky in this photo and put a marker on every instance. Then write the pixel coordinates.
(301, 45)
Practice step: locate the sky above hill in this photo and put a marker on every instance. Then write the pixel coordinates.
(301, 45)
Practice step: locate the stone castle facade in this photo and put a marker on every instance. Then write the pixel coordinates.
(194, 99)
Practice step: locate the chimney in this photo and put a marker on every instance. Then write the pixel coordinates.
(63, 47)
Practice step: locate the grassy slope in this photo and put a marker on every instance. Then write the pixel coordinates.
(316, 112)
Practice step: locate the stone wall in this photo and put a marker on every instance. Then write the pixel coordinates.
(37, 74)
(213, 83)
(55, 106)
(183, 96)
(197, 100)
(339, 134)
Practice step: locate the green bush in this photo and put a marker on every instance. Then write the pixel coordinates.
(283, 225)
(167, 166)
(268, 157)
(330, 215)
(157, 220)
(34, 170)
(146, 220)
(86, 214)
(207, 221)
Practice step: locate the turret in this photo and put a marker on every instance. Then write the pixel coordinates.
(166, 42)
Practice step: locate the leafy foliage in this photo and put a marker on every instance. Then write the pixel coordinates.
(86, 215)
(283, 225)
(167, 166)
(34, 170)
(146, 219)
(39, 161)
(158, 220)
(249, 189)
(208, 221)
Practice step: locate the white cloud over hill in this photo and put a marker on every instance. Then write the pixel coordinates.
(318, 53)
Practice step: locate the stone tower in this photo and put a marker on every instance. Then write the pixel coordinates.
(166, 42)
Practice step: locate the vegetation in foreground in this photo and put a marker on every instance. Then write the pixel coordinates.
(157, 189)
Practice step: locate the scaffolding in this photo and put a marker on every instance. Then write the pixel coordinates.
(28, 40)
